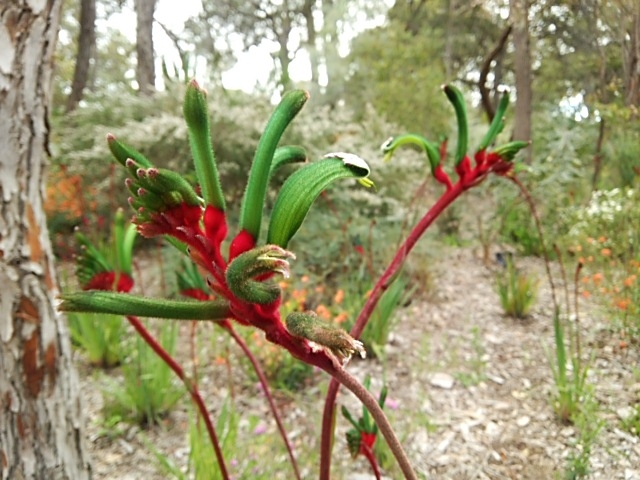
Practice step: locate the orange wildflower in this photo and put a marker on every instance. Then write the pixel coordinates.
(586, 294)
(606, 252)
(577, 248)
(323, 311)
(586, 279)
(590, 240)
(221, 360)
(304, 279)
(602, 239)
(338, 297)
(623, 304)
(629, 281)
(343, 317)
(597, 278)
(300, 295)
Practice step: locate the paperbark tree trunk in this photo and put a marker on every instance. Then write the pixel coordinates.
(145, 70)
(86, 50)
(40, 416)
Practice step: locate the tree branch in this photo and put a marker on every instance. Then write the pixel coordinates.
(487, 104)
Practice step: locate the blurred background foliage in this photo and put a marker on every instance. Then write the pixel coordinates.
(374, 69)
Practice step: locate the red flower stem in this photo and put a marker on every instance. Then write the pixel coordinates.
(545, 253)
(371, 457)
(383, 284)
(369, 401)
(194, 354)
(267, 391)
(191, 388)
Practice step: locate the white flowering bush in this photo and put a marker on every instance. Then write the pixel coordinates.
(610, 214)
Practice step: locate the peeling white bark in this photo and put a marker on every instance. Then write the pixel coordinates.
(40, 415)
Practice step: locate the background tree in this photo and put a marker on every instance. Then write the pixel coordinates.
(40, 416)
(519, 18)
(86, 51)
(145, 69)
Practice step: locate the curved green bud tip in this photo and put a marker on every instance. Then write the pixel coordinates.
(456, 98)
(196, 114)
(323, 335)
(387, 145)
(123, 152)
(286, 155)
(509, 150)
(356, 163)
(392, 143)
(242, 272)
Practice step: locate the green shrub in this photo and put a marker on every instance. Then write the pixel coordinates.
(148, 390)
(100, 336)
(517, 291)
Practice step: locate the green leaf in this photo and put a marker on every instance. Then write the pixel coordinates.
(305, 185)
(196, 114)
(254, 195)
(126, 304)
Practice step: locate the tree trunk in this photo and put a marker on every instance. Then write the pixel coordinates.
(312, 45)
(145, 70)
(40, 415)
(632, 62)
(519, 11)
(86, 49)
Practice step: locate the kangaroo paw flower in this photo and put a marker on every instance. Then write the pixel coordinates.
(321, 334)
(247, 276)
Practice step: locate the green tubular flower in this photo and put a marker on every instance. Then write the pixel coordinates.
(305, 185)
(509, 150)
(254, 195)
(124, 239)
(286, 155)
(196, 115)
(498, 122)
(457, 100)
(307, 325)
(125, 304)
(392, 143)
(259, 262)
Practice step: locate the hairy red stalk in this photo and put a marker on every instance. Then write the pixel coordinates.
(369, 401)
(267, 391)
(189, 385)
(448, 197)
(534, 211)
(371, 457)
